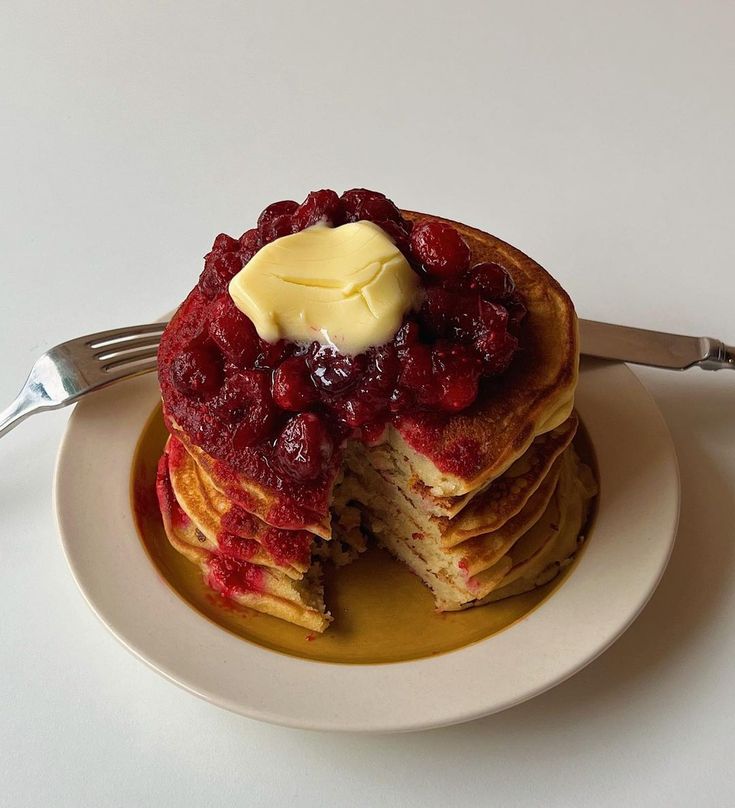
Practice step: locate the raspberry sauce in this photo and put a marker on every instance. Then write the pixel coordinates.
(279, 413)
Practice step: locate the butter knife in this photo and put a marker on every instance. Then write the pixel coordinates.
(642, 347)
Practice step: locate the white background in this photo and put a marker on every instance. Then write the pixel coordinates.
(598, 137)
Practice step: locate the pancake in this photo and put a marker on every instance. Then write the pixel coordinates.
(271, 507)
(509, 494)
(480, 552)
(548, 546)
(458, 455)
(522, 552)
(219, 521)
(263, 589)
(536, 568)
(488, 512)
(454, 520)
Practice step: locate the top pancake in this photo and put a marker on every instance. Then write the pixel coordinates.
(459, 455)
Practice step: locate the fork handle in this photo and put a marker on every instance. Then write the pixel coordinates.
(18, 411)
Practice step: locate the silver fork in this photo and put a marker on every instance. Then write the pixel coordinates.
(79, 366)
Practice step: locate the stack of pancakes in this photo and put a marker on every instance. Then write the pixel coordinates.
(482, 505)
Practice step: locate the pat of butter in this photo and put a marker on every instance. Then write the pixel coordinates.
(345, 286)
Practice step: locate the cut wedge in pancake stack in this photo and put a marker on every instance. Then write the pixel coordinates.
(454, 455)
(543, 496)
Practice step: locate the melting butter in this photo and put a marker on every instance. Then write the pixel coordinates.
(347, 286)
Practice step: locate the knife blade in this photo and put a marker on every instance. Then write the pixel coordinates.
(642, 347)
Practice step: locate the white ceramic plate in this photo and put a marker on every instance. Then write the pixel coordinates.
(628, 550)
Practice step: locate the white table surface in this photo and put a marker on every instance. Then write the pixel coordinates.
(598, 137)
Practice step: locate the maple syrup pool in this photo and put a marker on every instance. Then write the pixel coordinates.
(382, 612)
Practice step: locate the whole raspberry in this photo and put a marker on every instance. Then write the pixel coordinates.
(245, 402)
(276, 228)
(233, 332)
(197, 371)
(361, 204)
(318, 207)
(219, 269)
(304, 447)
(417, 374)
(249, 244)
(283, 208)
(439, 248)
(458, 369)
(225, 243)
(292, 386)
(332, 371)
(491, 281)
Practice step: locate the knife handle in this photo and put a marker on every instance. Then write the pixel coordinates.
(716, 355)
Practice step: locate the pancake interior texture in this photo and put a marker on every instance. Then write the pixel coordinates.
(485, 504)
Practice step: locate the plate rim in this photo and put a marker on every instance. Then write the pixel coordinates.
(408, 713)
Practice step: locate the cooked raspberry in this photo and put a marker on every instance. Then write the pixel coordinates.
(245, 400)
(273, 353)
(233, 332)
(362, 193)
(359, 204)
(225, 243)
(356, 410)
(237, 547)
(492, 339)
(516, 313)
(219, 270)
(446, 313)
(229, 577)
(493, 317)
(319, 206)
(497, 349)
(439, 248)
(458, 369)
(332, 371)
(372, 432)
(292, 387)
(283, 208)
(417, 374)
(438, 311)
(304, 448)
(249, 244)
(276, 228)
(400, 233)
(382, 371)
(458, 391)
(408, 334)
(491, 280)
(197, 371)
(401, 400)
